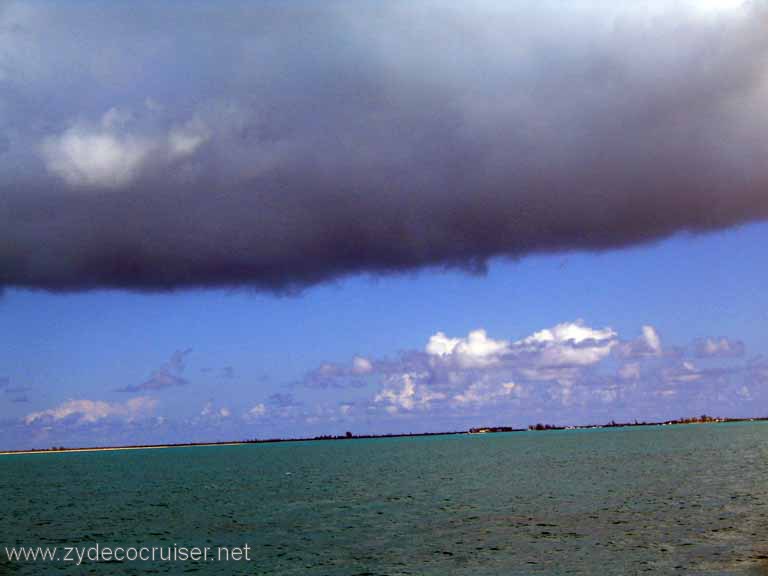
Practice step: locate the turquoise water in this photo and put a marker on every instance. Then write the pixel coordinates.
(668, 500)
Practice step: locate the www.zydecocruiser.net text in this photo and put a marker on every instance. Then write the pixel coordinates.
(97, 553)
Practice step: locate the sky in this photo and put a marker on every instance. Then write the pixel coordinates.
(249, 220)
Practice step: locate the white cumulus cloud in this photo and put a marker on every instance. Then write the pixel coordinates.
(648, 344)
(481, 393)
(405, 392)
(91, 411)
(477, 349)
(719, 348)
(361, 365)
(570, 343)
(257, 411)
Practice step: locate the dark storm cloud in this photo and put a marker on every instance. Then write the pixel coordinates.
(277, 145)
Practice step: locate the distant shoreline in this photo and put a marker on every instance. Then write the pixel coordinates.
(473, 431)
(223, 443)
(115, 448)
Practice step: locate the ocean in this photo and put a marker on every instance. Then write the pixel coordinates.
(688, 499)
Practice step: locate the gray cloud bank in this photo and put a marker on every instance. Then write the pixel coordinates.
(277, 145)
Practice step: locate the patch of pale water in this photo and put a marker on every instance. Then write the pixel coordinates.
(664, 500)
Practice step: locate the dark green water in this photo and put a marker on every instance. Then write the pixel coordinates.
(674, 500)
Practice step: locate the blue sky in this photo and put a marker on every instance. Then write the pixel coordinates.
(400, 215)
(246, 347)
